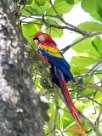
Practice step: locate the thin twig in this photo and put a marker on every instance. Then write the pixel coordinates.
(94, 101)
(82, 75)
(93, 86)
(93, 69)
(98, 118)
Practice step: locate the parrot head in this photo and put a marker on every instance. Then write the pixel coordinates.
(43, 37)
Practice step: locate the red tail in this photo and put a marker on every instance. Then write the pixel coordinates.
(68, 99)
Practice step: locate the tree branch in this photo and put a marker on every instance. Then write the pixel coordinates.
(57, 16)
(98, 118)
(21, 110)
(58, 26)
(93, 69)
(94, 101)
(70, 26)
(93, 86)
(55, 115)
(81, 39)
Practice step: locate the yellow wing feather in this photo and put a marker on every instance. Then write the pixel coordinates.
(51, 50)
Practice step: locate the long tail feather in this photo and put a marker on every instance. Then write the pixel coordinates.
(68, 100)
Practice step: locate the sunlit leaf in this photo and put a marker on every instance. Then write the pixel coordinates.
(99, 11)
(89, 79)
(70, 1)
(96, 15)
(46, 6)
(27, 11)
(85, 49)
(40, 2)
(99, 74)
(97, 44)
(29, 2)
(76, 1)
(58, 4)
(98, 97)
(36, 7)
(67, 120)
(79, 105)
(89, 5)
(54, 32)
(90, 26)
(100, 3)
(77, 70)
(29, 29)
(82, 62)
(87, 91)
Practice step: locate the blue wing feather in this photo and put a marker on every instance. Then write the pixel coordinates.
(60, 63)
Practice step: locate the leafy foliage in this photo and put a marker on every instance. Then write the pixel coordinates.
(86, 64)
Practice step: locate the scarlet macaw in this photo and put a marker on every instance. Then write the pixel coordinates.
(60, 69)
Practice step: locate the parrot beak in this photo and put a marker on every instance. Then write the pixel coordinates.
(34, 38)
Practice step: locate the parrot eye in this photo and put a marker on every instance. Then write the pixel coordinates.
(41, 38)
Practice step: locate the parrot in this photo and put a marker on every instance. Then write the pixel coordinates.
(60, 69)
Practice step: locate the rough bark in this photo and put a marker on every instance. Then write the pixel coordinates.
(21, 110)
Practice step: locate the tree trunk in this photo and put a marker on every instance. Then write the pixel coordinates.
(21, 110)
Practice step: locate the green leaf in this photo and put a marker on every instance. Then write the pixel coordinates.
(79, 105)
(100, 3)
(89, 5)
(70, 1)
(31, 9)
(82, 62)
(88, 79)
(99, 11)
(98, 97)
(97, 44)
(99, 76)
(90, 26)
(29, 2)
(85, 49)
(76, 1)
(94, 7)
(67, 119)
(96, 15)
(46, 6)
(27, 11)
(76, 70)
(36, 7)
(29, 29)
(52, 21)
(55, 32)
(86, 55)
(61, 7)
(87, 91)
(40, 2)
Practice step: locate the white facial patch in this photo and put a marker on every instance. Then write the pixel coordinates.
(36, 41)
(41, 38)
